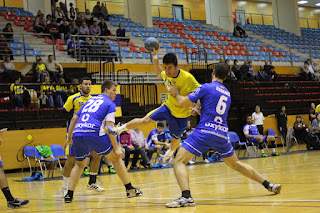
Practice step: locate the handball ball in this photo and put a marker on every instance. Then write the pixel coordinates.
(150, 43)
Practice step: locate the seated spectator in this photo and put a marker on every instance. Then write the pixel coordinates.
(71, 46)
(125, 141)
(316, 125)
(78, 13)
(72, 16)
(59, 14)
(88, 17)
(33, 69)
(51, 64)
(263, 75)
(8, 32)
(139, 142)
(236, 70)
(74, 29)
(121, 34)
(95, 29)
(273, 75)
(252, 134)
(312, 112)
(301, 131)
(104, 11)
(239, 32)
(244, 70)
(106, 53)
(10, 68)
(104, 28)
(40, 25)
(17, 91)
(79, 20)
(158, 139)
(4, 48)
(305, 73)
(96, 12)
(250, 68)
(231, 76)
(64, 31)
(75, 87)
(46, 93)
(41, 71)
(312, 70)
(48, 20)
(63, 8)
(84, 30)
(62, 89)
(54, 29)
(85, 48)
(267, 66)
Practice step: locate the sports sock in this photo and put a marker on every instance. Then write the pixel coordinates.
(262, 151)
(65, 182)
(273, 149)
(70, 193)
(186, 194)
(266, 184)
(128, 186)
(7, 194)
(93, 178)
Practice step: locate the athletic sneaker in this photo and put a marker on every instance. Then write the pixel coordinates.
(264, 155)
(191, 162)
(86, 172)
(112, 170)
(181, 202)
(95, 187)
(206, 161)
(16, 203)
(275, 188)
(68, 199)
(64, 192)
(135, 192)
(275, 154)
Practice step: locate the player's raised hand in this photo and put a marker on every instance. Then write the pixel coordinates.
(119, 153)
(68, 142)
(155, 52)
(194, 111)
(173, 89)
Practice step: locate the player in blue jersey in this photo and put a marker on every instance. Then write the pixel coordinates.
(158, 139)
(211, 133)
(252, 134)
(87, 133)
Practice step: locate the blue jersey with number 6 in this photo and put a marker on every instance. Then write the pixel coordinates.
(215, 103)
(93, 116)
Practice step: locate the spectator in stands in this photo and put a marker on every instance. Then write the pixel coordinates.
(54, 29)
(64, 31)
(46, 93)
(79, 20)
(258, 119)
(59, 14)
(121, 34)
(96, 12)
(72, 44)
(40, 25)
(312, 70)
(239, 32)
(104, 28)
(250, 68)
(48, 20)
(78, 12)
(301, 131)
(51, 64)
(312, 112)
(282, 121)
(104, 11)
(62, 89)
(10, 68)
(263, 75)
(63, 8)
(244, 70)
(74, 29)
(72, 16)
(75, 87)
(273, 75)
(88, 17)
(305, 73)
(71, 6)
(231, 76)
(4, 48)
(17, 91)
(106, 52)
(95, 29)
(85, 48)
(41, 71)
(8, 32)
(84, 30)
(158, 139)
(94, 48)
(222, 60)
(139, 142)
(236, 70)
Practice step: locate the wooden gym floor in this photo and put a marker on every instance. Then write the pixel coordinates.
(214, 186)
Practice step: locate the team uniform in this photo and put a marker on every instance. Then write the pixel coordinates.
(212, 131)
(73, 105)
(170, 110)
(153, 135)
(89, 134)
(253, 130)
(1, 164)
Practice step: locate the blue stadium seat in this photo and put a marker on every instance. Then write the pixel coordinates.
(14, 46)
(114, 49)
(135, 34)
(126, 55)
(178, 50)
(27, 47)
(171, 50)
(27, 53)
(145, 55)
(182, 55)
(14, 52)
(136, 55)
(124, 49)
(35, 52)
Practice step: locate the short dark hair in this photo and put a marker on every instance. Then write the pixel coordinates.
(248, 115)
(170, 58)
(84, 79)
(235, 61)
(107, 84)
(222, 70)
(159, 124)
(49, 56)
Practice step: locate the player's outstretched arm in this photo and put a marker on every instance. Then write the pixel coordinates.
(72, 126)
(114, 142)
(183, 101)
(156, 63)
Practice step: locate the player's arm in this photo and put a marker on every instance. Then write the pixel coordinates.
(72, 126)
(2, 131)
(113, 139)
(183, 101)
(156, 63)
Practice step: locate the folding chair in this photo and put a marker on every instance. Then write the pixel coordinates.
(271, 132)
(41, 159)
(234, 138)
(58, 153)
(29, 152)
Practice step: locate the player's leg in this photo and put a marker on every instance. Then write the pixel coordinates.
(109, 164)
(71, 159)
(11, 201)
(272, 140)
(94, 168)
(260, 142)
(123, 175)
(245, 169)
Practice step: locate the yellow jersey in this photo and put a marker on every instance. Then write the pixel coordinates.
(46, 88)
(41, 67)
(318, 108)
(75, 102)
(186, 83)
(17, 89)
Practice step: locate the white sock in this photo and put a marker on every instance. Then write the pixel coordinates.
(273, 149)
(262, 151)
(65, 182)
(93, 173)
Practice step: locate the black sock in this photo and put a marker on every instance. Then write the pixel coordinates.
(266, 184)
(93, 179)
(128, 186)
(70, 193)
(186, 194)
(7, 194)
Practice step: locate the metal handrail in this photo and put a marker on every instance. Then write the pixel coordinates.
(310, 19)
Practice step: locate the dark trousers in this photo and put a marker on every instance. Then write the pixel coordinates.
(260, 128)
(283, 131)
(306, 76)
(136, 152)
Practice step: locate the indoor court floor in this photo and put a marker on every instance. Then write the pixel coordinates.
(214, 187)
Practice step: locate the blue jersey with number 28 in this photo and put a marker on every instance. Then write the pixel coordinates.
(215, 103)
(94, 114)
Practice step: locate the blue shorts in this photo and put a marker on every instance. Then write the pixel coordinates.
(199, 142)
(1, 164)
(83, 145)
(176, 125)
(254, 140)
(70, 150)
